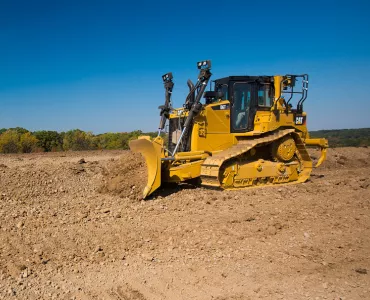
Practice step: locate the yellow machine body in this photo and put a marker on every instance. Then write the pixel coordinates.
(274, 152)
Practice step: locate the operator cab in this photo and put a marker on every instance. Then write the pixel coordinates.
(247, 95)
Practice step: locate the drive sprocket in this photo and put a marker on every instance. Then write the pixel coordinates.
(283, 149)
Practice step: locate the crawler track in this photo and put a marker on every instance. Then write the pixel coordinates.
(212, 168)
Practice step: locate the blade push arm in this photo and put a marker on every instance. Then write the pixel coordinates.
(166, 108)
(195, 106)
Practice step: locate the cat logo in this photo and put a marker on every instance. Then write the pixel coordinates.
(299, 120)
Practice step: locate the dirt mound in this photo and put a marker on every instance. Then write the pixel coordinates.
(126, 177)
(349, 157)
(30, 181)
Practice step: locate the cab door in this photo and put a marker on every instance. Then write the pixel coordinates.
(242, 106)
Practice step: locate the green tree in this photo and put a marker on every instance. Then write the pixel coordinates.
(78, 140)
(49, 140)
(27, 142)
(19, 130)
(9, 142)
(111, 141)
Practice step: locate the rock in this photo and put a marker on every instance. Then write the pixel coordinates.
(147, 257)
(82, 161)
(361, 271)
(12, 292)
(101, 253)
(306, 235)
(20, 224)
(365, 184)
(271, 230)
(79, 169)
(278, 226)
(26, 273)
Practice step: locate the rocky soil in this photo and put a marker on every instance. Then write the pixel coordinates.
(73, 227)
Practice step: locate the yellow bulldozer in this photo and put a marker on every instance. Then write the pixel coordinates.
(244, 133)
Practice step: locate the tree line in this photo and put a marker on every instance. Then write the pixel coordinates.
(344, 137)
(20, 140)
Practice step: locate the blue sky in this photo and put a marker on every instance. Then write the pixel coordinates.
(97, 65)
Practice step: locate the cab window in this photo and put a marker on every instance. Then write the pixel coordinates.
(225, 90)
(241, 103)
(264, 95)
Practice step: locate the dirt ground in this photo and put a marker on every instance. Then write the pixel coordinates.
(73, 227)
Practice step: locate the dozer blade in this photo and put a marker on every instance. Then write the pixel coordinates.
(152, 152)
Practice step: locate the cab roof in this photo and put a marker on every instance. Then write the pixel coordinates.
(263, 78)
